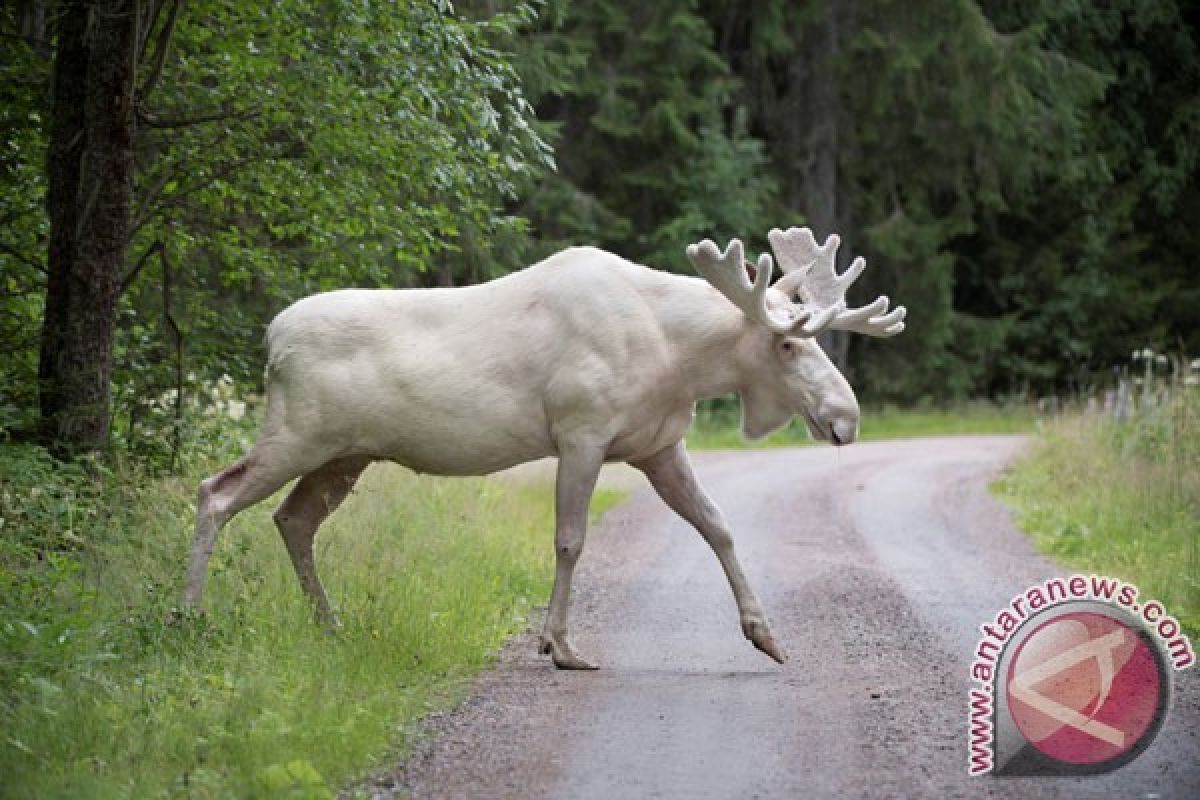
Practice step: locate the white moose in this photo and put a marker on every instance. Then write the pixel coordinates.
(584, 356)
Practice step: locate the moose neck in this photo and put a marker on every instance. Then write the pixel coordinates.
(712, 341)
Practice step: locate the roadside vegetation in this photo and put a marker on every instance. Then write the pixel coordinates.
(1121, 497)
(108, 690)
(717, 427)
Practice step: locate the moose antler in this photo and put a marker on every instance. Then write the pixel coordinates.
(810, 272)
(728, 273)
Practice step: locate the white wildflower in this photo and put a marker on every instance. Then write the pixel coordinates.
(235, 409)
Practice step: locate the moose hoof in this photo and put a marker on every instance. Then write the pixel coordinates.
(771, 648)
(327, 621)
(760, 636)
(563, 655)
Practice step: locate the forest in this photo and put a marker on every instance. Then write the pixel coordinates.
(1021, 174)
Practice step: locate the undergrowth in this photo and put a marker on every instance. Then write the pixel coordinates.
(1120, 499)
(108, 690)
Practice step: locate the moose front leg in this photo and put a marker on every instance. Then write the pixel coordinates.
(670, 472)
(578, 469)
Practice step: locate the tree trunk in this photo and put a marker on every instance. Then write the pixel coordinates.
(90, 176)
(814, 112)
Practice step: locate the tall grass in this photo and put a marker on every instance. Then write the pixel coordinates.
(106, 691)
(717, 429)
(1120, 499)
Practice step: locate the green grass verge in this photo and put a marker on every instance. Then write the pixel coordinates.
(105, 692)
(1122, 501)
(718, 430)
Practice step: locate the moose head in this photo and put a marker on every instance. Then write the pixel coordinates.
(797, 378)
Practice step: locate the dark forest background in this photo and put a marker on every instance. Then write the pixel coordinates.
(1021, 174)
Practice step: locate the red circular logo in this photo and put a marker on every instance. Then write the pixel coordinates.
(1085, 688)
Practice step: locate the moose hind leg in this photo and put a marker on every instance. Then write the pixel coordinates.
(240, 485)
(312, 499)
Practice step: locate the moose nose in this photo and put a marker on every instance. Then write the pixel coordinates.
(843, 432)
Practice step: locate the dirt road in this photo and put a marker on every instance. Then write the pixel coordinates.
(876, 563)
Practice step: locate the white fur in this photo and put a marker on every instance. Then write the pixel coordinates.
(585, 356)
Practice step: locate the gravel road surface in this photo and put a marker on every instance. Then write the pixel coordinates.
(876, 563)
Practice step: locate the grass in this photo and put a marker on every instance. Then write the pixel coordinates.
(718, 429)
(1120, 500)
(107, 692)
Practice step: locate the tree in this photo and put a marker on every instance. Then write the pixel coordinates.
(787, 54)
(654, 152)
(90, 172)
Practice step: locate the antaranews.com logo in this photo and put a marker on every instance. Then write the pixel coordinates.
(1072, 678)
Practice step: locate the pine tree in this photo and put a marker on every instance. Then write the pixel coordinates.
(652, 153)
